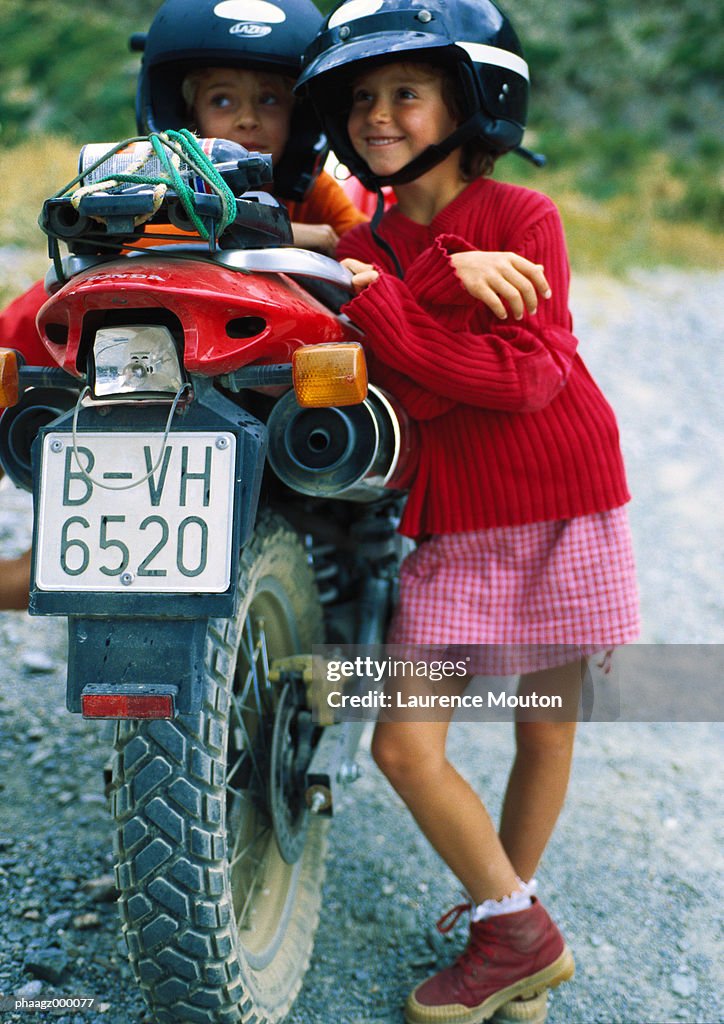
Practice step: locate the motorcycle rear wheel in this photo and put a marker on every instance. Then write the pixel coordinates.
(218, 925)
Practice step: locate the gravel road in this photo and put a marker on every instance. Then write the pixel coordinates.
(633, 873)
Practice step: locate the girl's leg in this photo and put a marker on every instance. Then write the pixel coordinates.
(454, 820)
(539, 776)
(444, 805)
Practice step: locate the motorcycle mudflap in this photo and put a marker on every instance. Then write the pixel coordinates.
(120, 637)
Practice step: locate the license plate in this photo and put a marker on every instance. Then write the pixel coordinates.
(170, 532)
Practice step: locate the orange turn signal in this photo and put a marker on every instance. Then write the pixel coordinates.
(9, 378)
(329, 374)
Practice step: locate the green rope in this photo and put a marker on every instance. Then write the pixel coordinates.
(174, 178)
(184, 145)
(206, 169)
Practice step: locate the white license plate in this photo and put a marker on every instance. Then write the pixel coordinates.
(169, 533)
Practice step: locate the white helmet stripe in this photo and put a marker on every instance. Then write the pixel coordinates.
(482, 54)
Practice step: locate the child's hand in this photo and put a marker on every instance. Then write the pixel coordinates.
(495, 277)
(362, 273)
(319, 237)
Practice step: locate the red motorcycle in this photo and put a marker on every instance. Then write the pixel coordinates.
(216, 493)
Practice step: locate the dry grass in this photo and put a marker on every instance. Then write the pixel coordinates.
(627, 231)
(621, 233)
(29, 174)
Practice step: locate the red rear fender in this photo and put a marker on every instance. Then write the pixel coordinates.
(229, 318)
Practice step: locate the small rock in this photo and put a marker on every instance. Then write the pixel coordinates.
(39, 756)
(47, 964)
(31, 990)
(65, 797)
(683, 985)
(85, 921)
(101, 889)
(595, 939)
(58, 920)
(32, 915)
(425, 960)
(37, 661)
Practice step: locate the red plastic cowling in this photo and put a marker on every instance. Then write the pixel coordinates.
(212, 303)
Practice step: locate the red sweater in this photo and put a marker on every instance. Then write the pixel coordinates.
(513, 428)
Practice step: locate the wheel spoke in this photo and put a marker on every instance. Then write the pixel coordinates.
(256, 877)
(249, 748)
(234, 769)
(249, 846)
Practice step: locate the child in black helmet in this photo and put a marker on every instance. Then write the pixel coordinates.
(233, 79)
(524, 562)
(200, 66)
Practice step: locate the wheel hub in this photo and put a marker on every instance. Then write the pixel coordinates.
(291, 752)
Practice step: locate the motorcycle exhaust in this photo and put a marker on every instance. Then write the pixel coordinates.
(19, 425)
(358, 452)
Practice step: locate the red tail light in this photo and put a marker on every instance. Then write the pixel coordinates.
(127, 705)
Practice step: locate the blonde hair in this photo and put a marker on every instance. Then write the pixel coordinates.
(194, 78)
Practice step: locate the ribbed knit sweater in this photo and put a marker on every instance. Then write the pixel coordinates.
(513, 428)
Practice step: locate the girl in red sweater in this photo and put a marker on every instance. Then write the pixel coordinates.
(517, 503)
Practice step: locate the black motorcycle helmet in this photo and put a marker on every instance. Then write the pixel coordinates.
(266, 34)
(472, 38)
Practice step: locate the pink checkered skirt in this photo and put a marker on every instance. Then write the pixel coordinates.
(522, 598)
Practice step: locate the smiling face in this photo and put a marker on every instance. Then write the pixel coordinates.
(398, 110)
(253, 108)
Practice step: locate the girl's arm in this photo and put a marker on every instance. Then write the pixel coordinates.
(319, 237)
(324, 216)
(430, 328)
(495, 278)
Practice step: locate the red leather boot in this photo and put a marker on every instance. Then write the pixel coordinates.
(510, 955)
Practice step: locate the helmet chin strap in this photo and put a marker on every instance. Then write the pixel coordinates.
(423, 162)
(378, 239)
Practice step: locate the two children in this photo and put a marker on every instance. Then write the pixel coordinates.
(518, 502)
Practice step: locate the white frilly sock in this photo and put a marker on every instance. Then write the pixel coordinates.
(518, 900)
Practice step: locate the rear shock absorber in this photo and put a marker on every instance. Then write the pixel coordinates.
(326, 570)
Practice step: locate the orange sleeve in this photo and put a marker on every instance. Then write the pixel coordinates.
(149, 239)
(327, 204)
